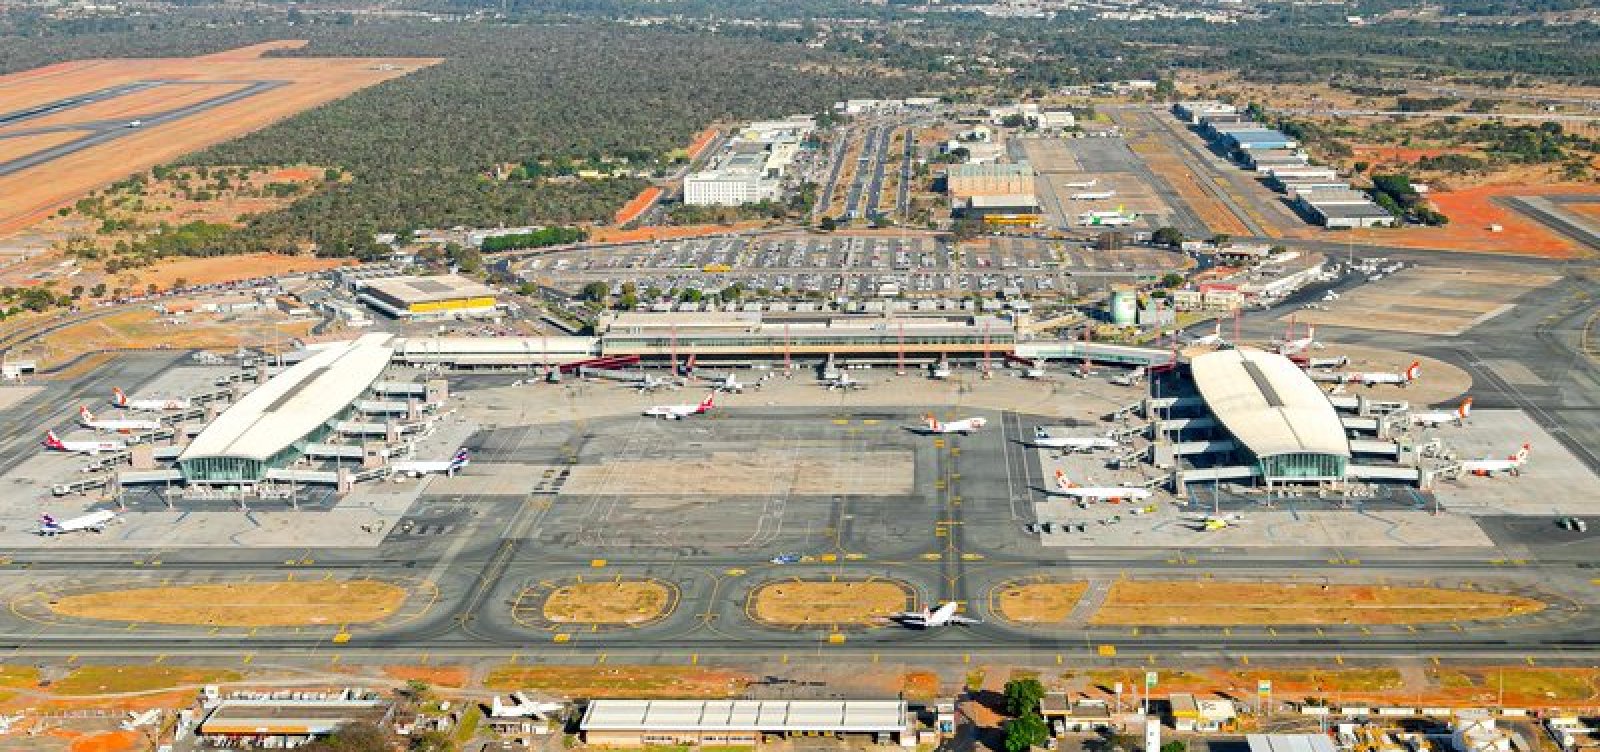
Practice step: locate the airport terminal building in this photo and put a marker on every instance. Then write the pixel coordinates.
(1280, 421)
(271, 427)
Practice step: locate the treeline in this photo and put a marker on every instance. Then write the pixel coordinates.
(1396, 194)
(537, 239)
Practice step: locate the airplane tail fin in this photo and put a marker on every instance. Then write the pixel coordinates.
(84, 414)
(1063, 481)
(1465, 409)
(50, 440)
(709, 402)
(1414, 370)
(460, 460)
(933, 423)
(1522, 454)
(118, 397)
(45, 520)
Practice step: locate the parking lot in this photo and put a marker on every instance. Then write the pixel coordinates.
(850, 267)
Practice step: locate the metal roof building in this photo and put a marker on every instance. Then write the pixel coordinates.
(643, 722)
(443, 295)
(297, 719)
(1277, 414)
(1289, 743)
(270, 426)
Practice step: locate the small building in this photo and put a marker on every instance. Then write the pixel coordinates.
(442, 296)
(966, 180)
(638, 723)
(1065, 717)
(1215, 715)
(1182, 711)
(1350, 216)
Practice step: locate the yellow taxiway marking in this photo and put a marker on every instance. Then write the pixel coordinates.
(597, 563)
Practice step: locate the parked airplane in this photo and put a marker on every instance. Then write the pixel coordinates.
(728, 383)
(1117, 218)
(93, 522)
(1092, 195)
(1082, 184)
(1438, 418)
(1400, 379)
(679, 412)
(1113, 494)
(134, 721)
(419, 468)
(82, 447)
(120, 399)
(943, 616)
(843, 381)
(962, 427)
(1213, 523)
(1035, 370)
(1488, 467)
(123, 425)
(1070, 443)
(1296, 346)
(651, 383)
(1212, 339)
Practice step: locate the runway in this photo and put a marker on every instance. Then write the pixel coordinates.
(104, 131)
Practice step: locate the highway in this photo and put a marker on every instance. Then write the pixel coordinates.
(105, 131)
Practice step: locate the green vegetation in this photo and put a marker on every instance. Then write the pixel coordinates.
(1396, 194)
(1023, 696)
(537, 239)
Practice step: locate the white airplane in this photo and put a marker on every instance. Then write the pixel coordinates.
(652, 383)
(1487, 467)
(122, 425)
(1438, 418)
(120, 399)
(133, 721)
(419, 468)
(943, 616)
(1092, 195)
(1113, 494)
(679, 412)
(1070, 443)
(1214, 339)
(843, 381)
(51, 441)
(1116, 218)
(1399, 379)
(94, 522)
(1082, 184)
(1296, 346)
(728, 383)
(962, 427)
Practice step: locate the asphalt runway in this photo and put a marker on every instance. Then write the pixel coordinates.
(105, 131)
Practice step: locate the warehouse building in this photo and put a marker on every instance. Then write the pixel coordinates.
(270, 428)
(968, 180)
(1341, 208)
(283, 723)
(640, 723)
(438, 297)
(1193, 111)
(1259, 138)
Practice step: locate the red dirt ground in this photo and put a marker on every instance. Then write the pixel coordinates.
(637, 205)
(442, 676)
(1471, 212)
(1372, 153)
(111, 741)
(700, 143)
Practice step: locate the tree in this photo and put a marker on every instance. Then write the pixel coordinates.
(1176, 745)
(355, 737)
(1172, 279)
(1221, 239)
(436, 741)
(596, 292)
(828, 224)
(1025, 732)
(1167, 236)
(1023, 696)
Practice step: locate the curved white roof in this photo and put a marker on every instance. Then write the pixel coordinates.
(295, 402)
(1268, 403)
